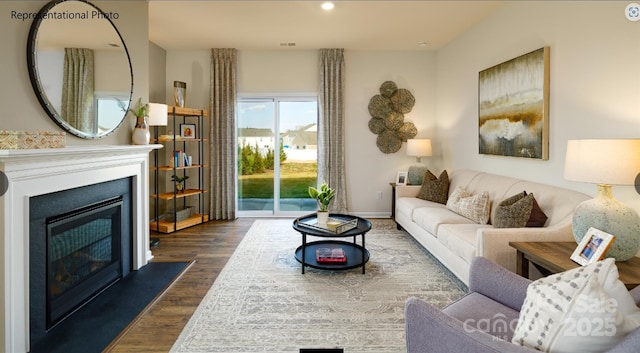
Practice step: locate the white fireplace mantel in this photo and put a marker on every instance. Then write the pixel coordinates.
(42, 171)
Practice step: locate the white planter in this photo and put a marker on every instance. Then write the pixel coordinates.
(323, 217)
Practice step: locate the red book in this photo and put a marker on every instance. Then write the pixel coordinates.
(330, 255)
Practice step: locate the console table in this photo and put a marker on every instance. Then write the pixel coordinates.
(554, 257)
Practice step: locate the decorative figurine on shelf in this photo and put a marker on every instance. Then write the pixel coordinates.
(179, 181)
(323, 196)
(141, 135)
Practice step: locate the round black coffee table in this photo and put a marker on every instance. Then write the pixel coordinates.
(357, 255)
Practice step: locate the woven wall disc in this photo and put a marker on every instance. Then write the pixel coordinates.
(403, 101)
(380, 106)
(376, 125)
(388, 88)
(394, 121)
(407, 131)
(388, 142)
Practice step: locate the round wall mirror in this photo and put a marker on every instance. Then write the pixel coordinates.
(79, 68)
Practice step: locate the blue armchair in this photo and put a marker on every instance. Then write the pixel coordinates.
(484, 319)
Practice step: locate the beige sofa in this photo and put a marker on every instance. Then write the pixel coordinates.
(454, 240)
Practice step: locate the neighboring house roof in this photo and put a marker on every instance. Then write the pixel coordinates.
(254, 132)
(306, 138)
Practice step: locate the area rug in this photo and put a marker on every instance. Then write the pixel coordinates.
(260, 302)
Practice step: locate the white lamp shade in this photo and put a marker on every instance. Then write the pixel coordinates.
(614, 162)
(158, 114)
(419, 147)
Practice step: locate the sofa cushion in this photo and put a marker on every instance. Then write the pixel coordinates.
(461, 239)
(587, 309)
(435, 189)
(430, 218)
(476, 207)
(407, 205)
(514, 211)
(480, 313)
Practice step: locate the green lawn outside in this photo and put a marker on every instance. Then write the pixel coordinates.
(295, 179)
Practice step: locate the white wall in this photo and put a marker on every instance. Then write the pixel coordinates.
(595, 83)
(282, 72)
(21, 110)
(368, 169)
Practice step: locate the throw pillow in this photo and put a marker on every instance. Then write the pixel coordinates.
(475, 207)
(514, 212)
(537, 218)
(587, 309)
(435, 189)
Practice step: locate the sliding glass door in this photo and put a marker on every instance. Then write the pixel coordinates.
(277, 155)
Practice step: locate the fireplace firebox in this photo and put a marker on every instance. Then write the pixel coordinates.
(80, 244)
(83, 256)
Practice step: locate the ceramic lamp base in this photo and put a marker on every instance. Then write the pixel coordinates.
(416, 174)
(609, 215)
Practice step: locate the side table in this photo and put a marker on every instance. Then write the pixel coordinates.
(554, 257)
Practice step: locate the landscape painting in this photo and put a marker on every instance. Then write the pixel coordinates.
(514, 107)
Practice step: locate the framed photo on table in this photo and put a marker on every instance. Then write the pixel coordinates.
(401, 179)
(592, 247)
(188, 131)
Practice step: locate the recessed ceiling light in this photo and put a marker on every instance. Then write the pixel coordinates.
(327, 5)
(423, 44)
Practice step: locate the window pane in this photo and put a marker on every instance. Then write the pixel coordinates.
(298, 154)
(255, 139)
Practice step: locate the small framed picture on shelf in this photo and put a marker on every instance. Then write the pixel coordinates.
(188, 131)
(401, 179)
(592, 247)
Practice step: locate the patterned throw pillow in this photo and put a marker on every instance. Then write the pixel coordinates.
(514, 212)
(587, 309)
(435, 189)
(475, 207)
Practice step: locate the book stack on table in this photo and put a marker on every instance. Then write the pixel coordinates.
(330, 255)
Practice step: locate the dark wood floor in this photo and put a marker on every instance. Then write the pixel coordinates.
(210, 245)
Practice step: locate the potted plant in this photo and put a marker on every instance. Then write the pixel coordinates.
(179, 181)
(141, 134)
(323, 197)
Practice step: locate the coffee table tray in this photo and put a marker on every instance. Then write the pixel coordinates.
(333, 226)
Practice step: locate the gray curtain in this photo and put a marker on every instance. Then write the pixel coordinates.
(331, 159)
(223, 134)
(77, 89)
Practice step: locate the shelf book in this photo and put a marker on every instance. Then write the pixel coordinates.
(335, 255)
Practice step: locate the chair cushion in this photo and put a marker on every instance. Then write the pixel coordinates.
(587, 309)
(478, 312)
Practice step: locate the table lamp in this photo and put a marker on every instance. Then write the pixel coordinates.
(158, 116)
(606, 163)
(418, 148)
